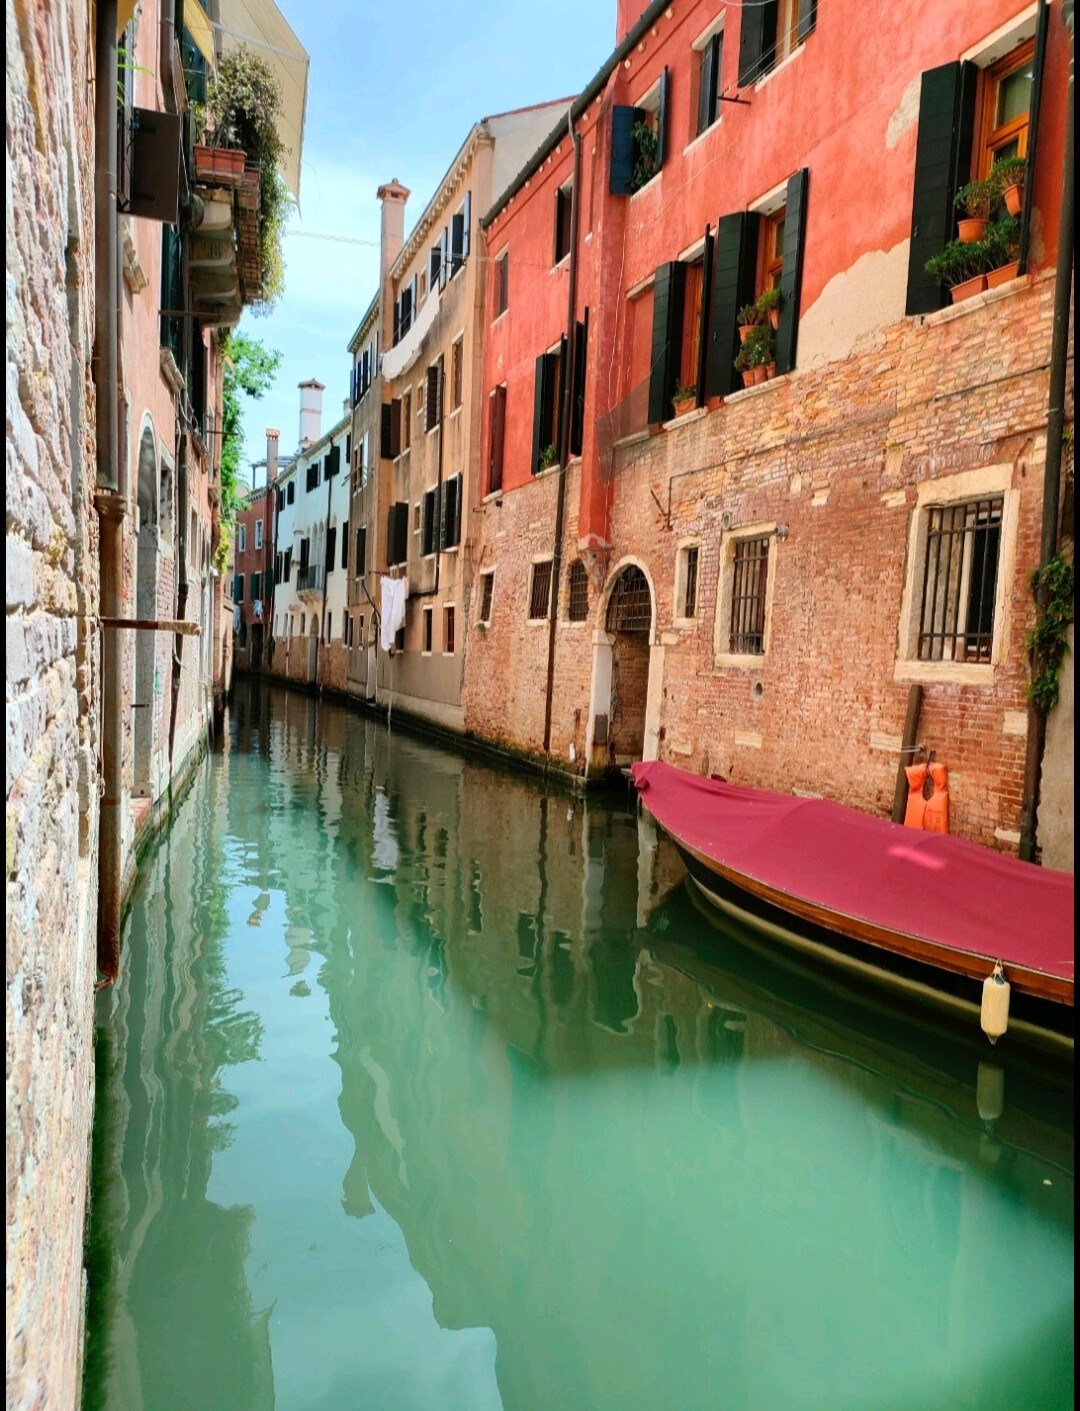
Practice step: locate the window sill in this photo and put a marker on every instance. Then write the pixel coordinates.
(493, 497)
(558, 265)
(745, 393)
(700, 138)
(976, 301)
(686, 418)
(536, 622)
(648, 185)
(950, 673)
(740, 661)
(500, 316)
(455, 412)
(634, 438)
(780, 67)
(684, 624)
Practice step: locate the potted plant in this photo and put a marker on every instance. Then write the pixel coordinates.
(684, 398)
(768, 306)
(961, 267)
(755, 355)
(1003, 241)
(548, 457)
(975, 199)
(645, 142)
(1007, 179)
(749, 317)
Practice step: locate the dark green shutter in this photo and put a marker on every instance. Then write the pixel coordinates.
(331, 548)
(558, 389)
(450, 516)
(707, 86)
(543, 406)
(661, 119)
(333, 461)
(496, 433)
(361, 549)
(622, 150)
(384, 432)
(787, 335)
(1041, 25)
(942, 163)
(757, 41)
(734, 270)
(703, 325)
(345, 544)
(577, 408)
(667, 331)
(807, 19)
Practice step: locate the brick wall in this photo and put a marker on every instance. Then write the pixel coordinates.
(52, 732)
(837, 454)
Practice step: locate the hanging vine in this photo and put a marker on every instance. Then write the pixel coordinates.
(1048, 641)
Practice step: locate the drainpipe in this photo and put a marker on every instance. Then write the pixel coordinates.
(1055, 426)
(564, 438)
(111, 497)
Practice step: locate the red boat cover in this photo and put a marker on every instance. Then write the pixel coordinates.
(938, 888)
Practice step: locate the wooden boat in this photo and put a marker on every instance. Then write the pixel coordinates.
(937, 912)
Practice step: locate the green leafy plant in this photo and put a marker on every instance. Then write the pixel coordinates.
(767, 301)
(757, 350)
(249, 369)
(959, 262)
(1009, 172)
(548, 457)
(750, 315)
(975, 199)
(646, 146)
(684, 392)
(1003, 240)
(1048, 641)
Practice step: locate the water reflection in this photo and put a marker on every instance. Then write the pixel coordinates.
(510, 1122)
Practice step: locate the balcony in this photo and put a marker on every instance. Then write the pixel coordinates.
(224, 259)
(309, 578)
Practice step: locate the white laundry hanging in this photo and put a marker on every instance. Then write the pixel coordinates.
(393, 592)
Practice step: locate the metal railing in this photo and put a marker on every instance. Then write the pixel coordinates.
(309, 578)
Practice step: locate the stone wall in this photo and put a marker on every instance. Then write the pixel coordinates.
(52, 661)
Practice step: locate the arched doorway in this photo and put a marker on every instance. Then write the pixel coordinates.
(146, 592)
(621, 675)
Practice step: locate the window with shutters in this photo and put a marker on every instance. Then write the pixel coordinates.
(577, 594)
(427, 631)
(487, 596)
(312, 481)
(693, 295)
(361, 551)
(770, 32)
(708, 64)
(449, 624)
(639, 140)
(238, 588)
(547, 407)
(331, 548)
(290, 493)
(450, 513)
(648, 155)
(406, 420)
(502, 284)
(540, 591)
(496, 438)
(460, 235)
(429, 520)
(457, 373)
(256, 587)
(241, 539)
(286, 566)
(772, 250)
(435, 265)
(345, 544)
(431, 397)
(563, 203)
(1007, 107)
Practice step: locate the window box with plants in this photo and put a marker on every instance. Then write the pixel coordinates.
(975, 200)
(757, 358)
(646, 147)
(684, 398)
(1007, 179)
(549, 456)
(968, 267)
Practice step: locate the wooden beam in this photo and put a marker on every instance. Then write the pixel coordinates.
(161, 624)
(907, 751)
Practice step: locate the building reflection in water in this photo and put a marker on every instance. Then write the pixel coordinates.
(596, 1121)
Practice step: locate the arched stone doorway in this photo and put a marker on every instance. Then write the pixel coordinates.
(146, 594)
(624, 672)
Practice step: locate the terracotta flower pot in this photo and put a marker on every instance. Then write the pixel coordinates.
(1013, 197)
(685, 405)
(1002, 274)
(960, 292)
(774, 318)
(745, 329)
(218, 161)
(756, 375)
(770, 371)
(971, 230)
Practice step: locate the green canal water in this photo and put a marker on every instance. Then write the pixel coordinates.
(425, 1090)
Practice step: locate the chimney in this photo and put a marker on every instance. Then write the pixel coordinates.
(310, 412)
(346, 406)
(271, 453)
(391, 238)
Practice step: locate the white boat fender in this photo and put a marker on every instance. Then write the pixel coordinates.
(990, 1092)
(995, 1004)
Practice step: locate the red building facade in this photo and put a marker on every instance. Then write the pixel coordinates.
(751, 582)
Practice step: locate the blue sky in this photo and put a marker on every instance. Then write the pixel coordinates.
(393, 89)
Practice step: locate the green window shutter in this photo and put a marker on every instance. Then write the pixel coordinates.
(385, 432)
(787, 334)
(427, 523)
(942, 160)
(558, 374)
(1041, 26)
(807, 19)
(703, 327)
(345, 544)
(734, 269)
(667, 331)
(757, 41)
(661, 119)
(577, 407)
(621, 172)
(361, 550)
(543, 406)
(709, 78)
(497, 436)
(331, 548)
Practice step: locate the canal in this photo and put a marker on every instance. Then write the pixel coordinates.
(424, 1089)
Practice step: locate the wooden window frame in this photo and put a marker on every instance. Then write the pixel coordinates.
(563, 233)
(708, 62)
(502, 284)
(427, 641)
(772, 264)
(449, 629)
(693, 295)
(992, 138)
(457, 373)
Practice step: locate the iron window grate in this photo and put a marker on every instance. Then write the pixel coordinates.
(751, 567)
(630, 607)
(963, 543)
(690, 590)
(540, 596)
(578, 605)
(487, 590)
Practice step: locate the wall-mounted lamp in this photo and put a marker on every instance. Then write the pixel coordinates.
(781, 531)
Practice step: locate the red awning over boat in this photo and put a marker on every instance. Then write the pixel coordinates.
(944, 890)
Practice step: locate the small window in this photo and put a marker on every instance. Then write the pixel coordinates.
(710, 56)
(540, 591)
(429, 522)
(417, 517)
(258, 533)
(772, 250)
(1008, 106)
(457, 366)
(749, 581)
(693, 293)
(327, 627)
(448, 631)
(487, 593)
(406, 420)
(562, 222)
(689, 581)
(502, 284)
(238, 588)
(578, 592)
(290, 494)
(959, 588)
(256, 587)
(241, 539)
(428, 630)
